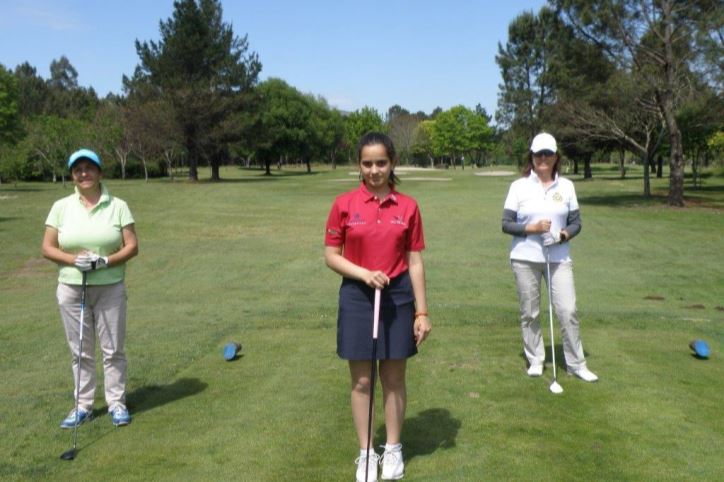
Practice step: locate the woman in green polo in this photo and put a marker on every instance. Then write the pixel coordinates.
(92, 231)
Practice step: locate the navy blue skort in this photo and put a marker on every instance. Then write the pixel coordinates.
(395, 337)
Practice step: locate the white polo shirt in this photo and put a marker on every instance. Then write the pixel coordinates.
(532, 202)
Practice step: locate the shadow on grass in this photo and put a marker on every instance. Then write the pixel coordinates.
(427, 431)
(621, 200)
(5, 219)
(152, 396)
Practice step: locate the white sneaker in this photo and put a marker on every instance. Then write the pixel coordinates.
(535, 370)
(371, 464)
(393, 468)
(584, 374)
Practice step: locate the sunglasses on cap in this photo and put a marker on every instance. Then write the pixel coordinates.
(544, 153)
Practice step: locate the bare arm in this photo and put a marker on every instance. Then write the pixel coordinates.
(129, 248)
(422, 326)
(339, 264)
(51, 249)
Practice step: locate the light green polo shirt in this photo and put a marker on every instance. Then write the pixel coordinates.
(97, 230)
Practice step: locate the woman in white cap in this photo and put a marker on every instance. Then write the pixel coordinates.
(541, 213)
(90, 235)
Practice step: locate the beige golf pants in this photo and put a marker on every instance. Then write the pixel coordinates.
(528, 281)
(104, 316)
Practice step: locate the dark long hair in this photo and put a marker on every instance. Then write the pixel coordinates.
(373, 139)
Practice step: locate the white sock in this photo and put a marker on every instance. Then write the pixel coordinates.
(363, 452)
(393, 447)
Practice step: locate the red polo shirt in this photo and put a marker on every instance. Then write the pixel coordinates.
(375, 234)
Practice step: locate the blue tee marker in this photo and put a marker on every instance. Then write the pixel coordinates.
(231, 350)
(700, 347)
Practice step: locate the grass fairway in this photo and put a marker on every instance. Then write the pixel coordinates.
(241, 260)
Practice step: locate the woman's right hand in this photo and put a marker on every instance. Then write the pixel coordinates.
(376, 279)
(540, 226)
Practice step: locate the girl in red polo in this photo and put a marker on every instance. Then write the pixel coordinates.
(373, 239)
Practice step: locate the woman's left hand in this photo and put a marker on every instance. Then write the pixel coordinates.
(422, 329)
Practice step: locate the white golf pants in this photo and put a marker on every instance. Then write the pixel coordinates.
(105, 316)
(528, 281)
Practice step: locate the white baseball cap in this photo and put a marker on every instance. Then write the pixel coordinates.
(543, 142)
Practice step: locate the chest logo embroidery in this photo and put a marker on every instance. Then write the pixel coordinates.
(356, 220)
(557, 197)
(398, 220)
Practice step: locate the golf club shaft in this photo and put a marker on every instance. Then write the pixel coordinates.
(550, 312)
(80, 355)
(373, 364)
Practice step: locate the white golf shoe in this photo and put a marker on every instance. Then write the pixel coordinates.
(535, 370)
(584, 374)
(372, 463)
(393, 467)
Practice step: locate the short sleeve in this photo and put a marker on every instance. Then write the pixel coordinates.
(511, 201)
(573, 203)
(416, 237)
(53, 219)
(125, 216)
(334, 232)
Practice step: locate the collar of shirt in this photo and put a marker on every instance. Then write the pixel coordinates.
(105, 196)
(533, 177)
(368, 196)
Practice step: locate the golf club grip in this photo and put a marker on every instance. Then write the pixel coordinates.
(376, 322)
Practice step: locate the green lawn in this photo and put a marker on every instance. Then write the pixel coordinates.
(241, 260)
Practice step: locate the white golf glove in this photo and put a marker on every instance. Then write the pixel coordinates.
(551, 237)
(90, 261)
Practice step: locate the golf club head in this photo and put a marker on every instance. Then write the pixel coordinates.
(700, 347)
(68, 454)
(231, 350)
(556, 388)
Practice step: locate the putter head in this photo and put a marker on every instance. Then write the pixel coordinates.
(556, 388)
(700, 347)
(68, 454)
(231, 350)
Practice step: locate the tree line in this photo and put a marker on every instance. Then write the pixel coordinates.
(195, 99)
(618, 77)
(612, 79)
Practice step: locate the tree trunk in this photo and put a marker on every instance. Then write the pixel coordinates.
(575, 166)
(587, 173)
(666, 102)
(647, 183)
(622, 163)
(309, 166)
(215, 171)
(267, 166)
(660, 170)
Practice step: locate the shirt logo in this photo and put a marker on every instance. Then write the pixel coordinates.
(557, 197)
(398, 220)
(356, 220)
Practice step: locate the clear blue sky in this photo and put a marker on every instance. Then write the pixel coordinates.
(417, 53)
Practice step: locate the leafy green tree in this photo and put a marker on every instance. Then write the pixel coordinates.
(283, 118)
(659, 41)
(359, 123)
(9, 113)
(33, 91)
(460, 132)
(51, 139)
(205, 70)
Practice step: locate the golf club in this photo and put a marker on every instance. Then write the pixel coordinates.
(555, 387)
(373, 362)
(70, 454)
